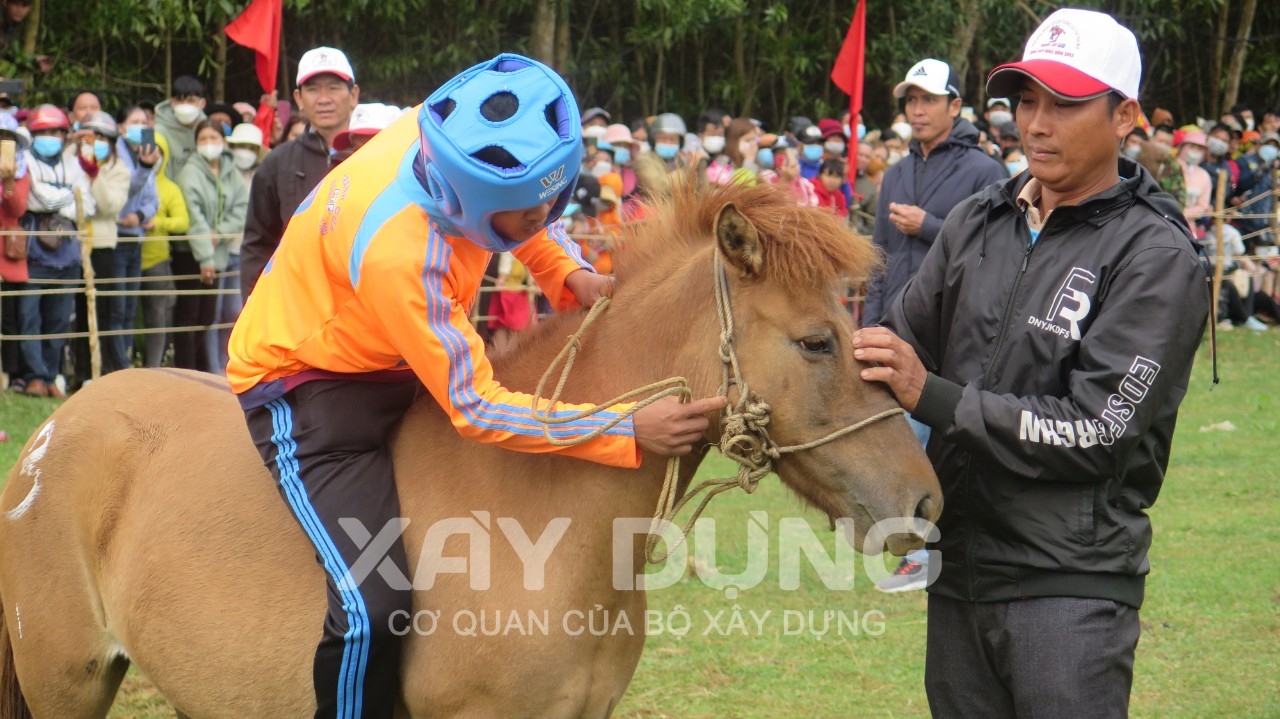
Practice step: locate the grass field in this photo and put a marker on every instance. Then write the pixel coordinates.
(1211, 626)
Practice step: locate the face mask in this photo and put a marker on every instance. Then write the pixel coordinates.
(186, 114)
(47, 146)
(244, 157)
(600, 169)
(226, 131)
(1217, 147)
(1268, 153)
(75, 126)
(714, 145)
(812, 153)
(845, 127)
(210, 152)
(645, 147)
(901, 129)
(1000, 117)
(133, 134)
(666, 150)
(101, 149)
(1132, 152)
(1193, 157)
(1015, 166)
(834, 148)
(862, 130)
(621, 156)
(764, 159)
(895, 157)
(1248, 123)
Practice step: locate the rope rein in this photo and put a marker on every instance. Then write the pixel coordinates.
(744, 434)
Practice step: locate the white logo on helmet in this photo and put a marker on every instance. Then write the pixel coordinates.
(553, 183)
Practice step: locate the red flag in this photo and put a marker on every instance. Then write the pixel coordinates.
(847, 74)
(258, 28)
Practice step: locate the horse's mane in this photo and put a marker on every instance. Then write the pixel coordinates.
(802, 246)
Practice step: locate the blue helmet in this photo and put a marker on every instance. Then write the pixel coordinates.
(503, 135)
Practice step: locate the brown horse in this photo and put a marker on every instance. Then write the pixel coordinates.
(140, 526)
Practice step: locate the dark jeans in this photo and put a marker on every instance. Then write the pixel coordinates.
(325, 443)
(120, 311)
(11, 352)
(227, 310)
(190, 350)
(1041, 658)
(46, 314)
(157, 311)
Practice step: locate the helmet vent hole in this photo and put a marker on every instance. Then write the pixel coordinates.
(444, 109)
(558, 118)
(497, 157)
(500, 107)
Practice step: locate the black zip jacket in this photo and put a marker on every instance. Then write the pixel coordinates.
(285, 178)
(1056, 371)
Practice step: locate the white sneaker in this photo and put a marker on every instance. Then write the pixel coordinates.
(1225, 326)
(1253, 324)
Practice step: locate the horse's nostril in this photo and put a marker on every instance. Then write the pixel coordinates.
(925, 509)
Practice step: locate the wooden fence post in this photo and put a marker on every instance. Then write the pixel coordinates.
(90, 293)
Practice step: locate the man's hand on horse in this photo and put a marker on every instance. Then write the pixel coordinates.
(671, 428)
(588, 286)
(893, 361)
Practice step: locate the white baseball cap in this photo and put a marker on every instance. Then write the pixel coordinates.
(320, 60)
(367, 119)
(932, 76)
(1076, 55)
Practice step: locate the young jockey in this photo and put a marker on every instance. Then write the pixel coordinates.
(364, 305)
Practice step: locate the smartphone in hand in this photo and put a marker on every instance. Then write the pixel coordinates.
(148, 138)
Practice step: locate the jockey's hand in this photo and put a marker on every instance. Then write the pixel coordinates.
(671, 428)
(588, 286)
(893, 361)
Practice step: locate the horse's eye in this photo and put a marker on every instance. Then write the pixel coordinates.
(816, 345)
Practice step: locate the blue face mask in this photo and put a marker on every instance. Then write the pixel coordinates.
(133, 134)
(226, 131)
(666, 150)
(621, 156)
(571, 209)
(813, 153)
(101, 149)
(1015, 166)
(862, 130)
(47, 146)
(764, 159)
(1268, 153)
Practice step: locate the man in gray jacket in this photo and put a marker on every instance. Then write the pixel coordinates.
(1048, 340)
(943, 166)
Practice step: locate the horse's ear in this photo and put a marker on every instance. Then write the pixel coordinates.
(739, 241)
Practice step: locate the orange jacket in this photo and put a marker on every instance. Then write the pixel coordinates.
(365, 283)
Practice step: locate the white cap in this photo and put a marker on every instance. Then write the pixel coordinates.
(1076, 55)
(932, 76)
(246, 133)
(367, 119)
(998, 101)
(320, 60)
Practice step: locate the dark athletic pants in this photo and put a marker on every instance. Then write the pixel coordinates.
(1043, 658)
(325, 443)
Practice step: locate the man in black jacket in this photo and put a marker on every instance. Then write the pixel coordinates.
(1048, 340)
(326, 95)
